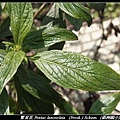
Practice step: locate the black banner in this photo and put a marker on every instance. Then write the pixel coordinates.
(60, 117)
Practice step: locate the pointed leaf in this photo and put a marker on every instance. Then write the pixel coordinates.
(9, 66)
(75, 71)
(38, 87)
(47, 37)
(4, 28)
(4, 102)
(31, 104)
(106, 104)
(76, 10)
(21, 15)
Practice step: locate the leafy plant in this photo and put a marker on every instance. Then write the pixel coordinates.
(67, 69)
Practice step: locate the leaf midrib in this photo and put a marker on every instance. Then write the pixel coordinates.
(62, 66)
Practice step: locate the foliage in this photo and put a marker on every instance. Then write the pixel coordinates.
(111, 10)
(67, 69)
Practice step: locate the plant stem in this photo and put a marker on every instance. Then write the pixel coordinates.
(39, 10)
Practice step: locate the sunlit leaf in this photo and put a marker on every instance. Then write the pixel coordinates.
(54, 17)
(76, 10)
(47, 37)
(21, 19)
(75, 71)
(2, 55)
(9, 66)
(38, 87)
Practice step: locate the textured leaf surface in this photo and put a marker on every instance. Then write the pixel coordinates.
(75, 71)
(38, 87)
(4, 102)
(106, 104)
(46, 37)
(21, 15)
(76, 10)
(9, 67)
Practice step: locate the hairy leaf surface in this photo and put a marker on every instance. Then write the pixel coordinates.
(75, 71)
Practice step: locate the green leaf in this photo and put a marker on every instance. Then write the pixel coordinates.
(4, 102)
(76, 10)
(77, 23)
(21, 15)
(106, 104)
(97, 6)
(30, 104)
(2, 55)
(53, 18)
(53, 34)
(75, 71)
(37, 86)
(4, 28)
(9, 66)
(47, 37)
(66, 107)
